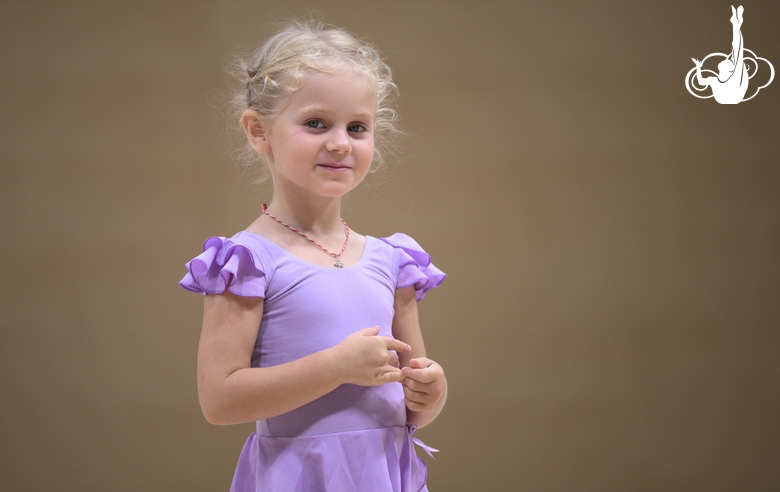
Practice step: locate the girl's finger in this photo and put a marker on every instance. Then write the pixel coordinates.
(421, 362)
(394, 360)
(368, 332)
(417, 405)
(416, 385)
(414, 406)
(393, 344)
(422, 375)
(414, 396)
(390, 375)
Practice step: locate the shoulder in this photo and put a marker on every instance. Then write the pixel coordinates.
(413, 264)
(240, 264)
(261, 250)
(401, 242)
(260, 246)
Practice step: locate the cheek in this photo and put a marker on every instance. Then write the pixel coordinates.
(365, 149)
(298, 139)
(293, 148)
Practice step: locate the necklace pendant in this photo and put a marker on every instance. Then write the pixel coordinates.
(338, 263)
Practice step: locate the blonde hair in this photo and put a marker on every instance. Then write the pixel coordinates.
(270, 74)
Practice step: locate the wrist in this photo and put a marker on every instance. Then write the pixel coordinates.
(332, 363)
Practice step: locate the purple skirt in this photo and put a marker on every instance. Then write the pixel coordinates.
(370, 460)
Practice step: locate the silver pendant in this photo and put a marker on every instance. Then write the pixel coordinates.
(338, 263)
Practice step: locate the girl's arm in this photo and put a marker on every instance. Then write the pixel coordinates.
(230, 391)
(425, 386)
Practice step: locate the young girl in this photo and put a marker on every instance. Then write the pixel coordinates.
(310, 328)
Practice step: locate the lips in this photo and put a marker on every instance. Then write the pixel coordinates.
(334, 166)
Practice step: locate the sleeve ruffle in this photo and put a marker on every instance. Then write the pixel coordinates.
(414, 265)
(225, 265)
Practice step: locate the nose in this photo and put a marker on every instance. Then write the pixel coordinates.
(338, 142)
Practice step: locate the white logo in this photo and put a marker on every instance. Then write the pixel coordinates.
(730, 84)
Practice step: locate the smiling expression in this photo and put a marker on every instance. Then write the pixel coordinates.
(321, 142)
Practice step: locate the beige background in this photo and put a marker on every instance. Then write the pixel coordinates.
(611, 318)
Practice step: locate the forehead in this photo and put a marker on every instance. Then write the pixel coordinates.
(348, 91)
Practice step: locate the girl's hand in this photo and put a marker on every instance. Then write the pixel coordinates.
(424, 385)
(366, 359)
(696, 62)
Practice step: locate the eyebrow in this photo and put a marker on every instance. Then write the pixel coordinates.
(319, 109)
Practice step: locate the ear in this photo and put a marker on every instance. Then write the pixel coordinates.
(256, 131)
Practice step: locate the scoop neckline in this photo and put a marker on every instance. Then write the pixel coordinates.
(300, 260)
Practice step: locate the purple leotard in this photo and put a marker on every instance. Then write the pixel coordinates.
(355, 438)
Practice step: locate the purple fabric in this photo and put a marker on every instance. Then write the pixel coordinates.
(415, 267)
(355, 437)
(222, 262)
(353, 461)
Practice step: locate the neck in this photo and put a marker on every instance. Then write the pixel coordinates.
(321, 215)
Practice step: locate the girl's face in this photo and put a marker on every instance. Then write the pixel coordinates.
(322, 140)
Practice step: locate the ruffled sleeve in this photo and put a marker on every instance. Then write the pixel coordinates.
(414, 265)
(225, 265)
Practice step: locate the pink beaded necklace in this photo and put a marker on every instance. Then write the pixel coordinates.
(336, 256)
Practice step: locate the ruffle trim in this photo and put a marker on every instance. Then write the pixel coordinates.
(414, 266)
(224, 265)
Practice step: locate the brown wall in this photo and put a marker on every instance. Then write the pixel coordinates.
(611, 318)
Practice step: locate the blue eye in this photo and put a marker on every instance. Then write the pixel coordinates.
(316, 124)
(356, 128)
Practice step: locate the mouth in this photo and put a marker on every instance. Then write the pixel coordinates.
(332, 166)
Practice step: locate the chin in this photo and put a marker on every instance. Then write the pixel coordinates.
(336, 191)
